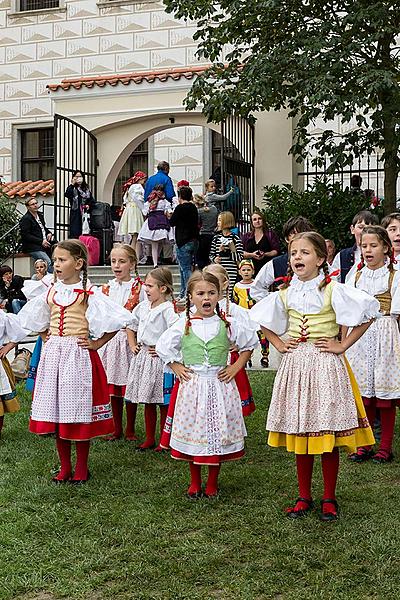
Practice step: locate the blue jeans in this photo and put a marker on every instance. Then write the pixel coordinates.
(185, 255)
(16, 305)
(43, 256)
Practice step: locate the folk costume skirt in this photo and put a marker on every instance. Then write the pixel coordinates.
(316, 404)
(116, 357)
(147, 382)
(70, 397)
(8, 396)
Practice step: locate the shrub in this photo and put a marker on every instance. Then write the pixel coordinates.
(329, 208)
(9, 217)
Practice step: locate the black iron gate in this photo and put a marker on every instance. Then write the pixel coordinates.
(238, 165)
(75, 148)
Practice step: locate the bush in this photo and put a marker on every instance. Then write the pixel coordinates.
(8, 218)
(329, 208)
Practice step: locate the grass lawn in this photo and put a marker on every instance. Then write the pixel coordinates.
(130, 533)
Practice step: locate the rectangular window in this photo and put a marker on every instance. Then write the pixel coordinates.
(138, 161)
(37, 154)
(38, 4)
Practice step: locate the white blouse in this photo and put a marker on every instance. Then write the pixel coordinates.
(149, 323)
(10, 329)
(121, 290)
(162, 204)
(169, 344)
(35, 287)
(135, 195)
(351, 306)
(103, 315)
(238, 313)
(375, 282)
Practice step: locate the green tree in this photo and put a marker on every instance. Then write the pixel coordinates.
(315, 58)
(9, 217)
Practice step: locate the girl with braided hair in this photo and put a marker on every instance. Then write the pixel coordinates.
(70, 398)
(126, 290)
(316, 406)
(147, 383)
(208, 427)
(375, 358)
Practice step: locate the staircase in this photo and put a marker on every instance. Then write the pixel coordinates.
(100, 275)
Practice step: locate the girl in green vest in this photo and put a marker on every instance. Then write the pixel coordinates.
(208, 426)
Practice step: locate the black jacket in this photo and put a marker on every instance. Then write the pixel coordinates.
(31, 234)
(13, 292)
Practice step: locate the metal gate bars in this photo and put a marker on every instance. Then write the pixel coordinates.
(75, 148)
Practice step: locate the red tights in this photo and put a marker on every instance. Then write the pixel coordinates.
(195, 479)
(388, 418)
(150, 421)
(117, 405)
(330, 469)
(81, 466)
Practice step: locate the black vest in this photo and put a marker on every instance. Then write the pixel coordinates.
(280, 264)
(346, 261)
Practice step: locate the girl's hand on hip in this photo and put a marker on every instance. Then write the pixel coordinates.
(135, 348)
(87, 343)
(287, 346)
(152, 351)
(227, 374)
(329, 345)
(183, 373)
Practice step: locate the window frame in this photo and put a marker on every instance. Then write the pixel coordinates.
(42, 160)
(17, 12)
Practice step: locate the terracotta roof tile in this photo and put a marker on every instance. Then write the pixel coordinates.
(28, 188)
(127, 78)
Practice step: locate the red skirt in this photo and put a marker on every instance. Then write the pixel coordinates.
(244, 388)
(116, 390)
(102, 420)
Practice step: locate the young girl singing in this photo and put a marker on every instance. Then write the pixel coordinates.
(375, 358)
(147, 382)
(10, 333)
(71, 398)
(116, 355)
(208, 426)
(316, 406)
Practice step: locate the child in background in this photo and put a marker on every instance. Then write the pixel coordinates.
(214, 199)
(10, 334)
(316, 405)
(241, 297)
(241, 315)
(40, 267)
(132, 218)
(147, 382)
(208, 215)
(348, 258)
(71, 398)
(208, 426)
(392, 225)
(155, 229)
(375, 358)
(116, 355)
(226, 247)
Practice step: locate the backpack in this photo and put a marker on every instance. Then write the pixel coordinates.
(100, 216)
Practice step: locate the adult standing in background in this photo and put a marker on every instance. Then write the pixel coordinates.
(36, 238)
(160, 178)
(81, 200)
(261, 244)
(185, 219)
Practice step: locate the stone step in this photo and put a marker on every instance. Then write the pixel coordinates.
(102, 274)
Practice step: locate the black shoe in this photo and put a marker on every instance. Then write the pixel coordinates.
(194, 495)
(332, 515)
(80, 481)
(297, 514)
(383, 456)
(362, 455)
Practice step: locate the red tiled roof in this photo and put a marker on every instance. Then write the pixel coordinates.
(28, 188)
(127, 78)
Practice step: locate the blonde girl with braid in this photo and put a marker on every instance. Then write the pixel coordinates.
(126, 290)
(230, 309)
(316, 406)
(375, 358)
(207, 426)
(147, 383)
(70, 398)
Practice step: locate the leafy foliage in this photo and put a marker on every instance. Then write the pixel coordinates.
(315, 58)
(8, 218)
(327, 206)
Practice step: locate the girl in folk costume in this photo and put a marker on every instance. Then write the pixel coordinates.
(375, 358)
(132, 217)
(70, 398)
(242, 315)
(10, 334)
(316, 406)
(156, 228)
(116, 355)
(208, 426)
(147, 382)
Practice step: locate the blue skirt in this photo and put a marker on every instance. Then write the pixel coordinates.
(33, 365)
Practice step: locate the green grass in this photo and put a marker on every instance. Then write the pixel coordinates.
(130, 533)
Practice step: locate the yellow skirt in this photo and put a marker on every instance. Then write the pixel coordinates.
(318, 443)
(9, 402)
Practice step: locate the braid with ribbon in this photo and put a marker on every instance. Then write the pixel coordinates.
(222, 315)
(287, 279)
(187, 311)
(327, 279)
